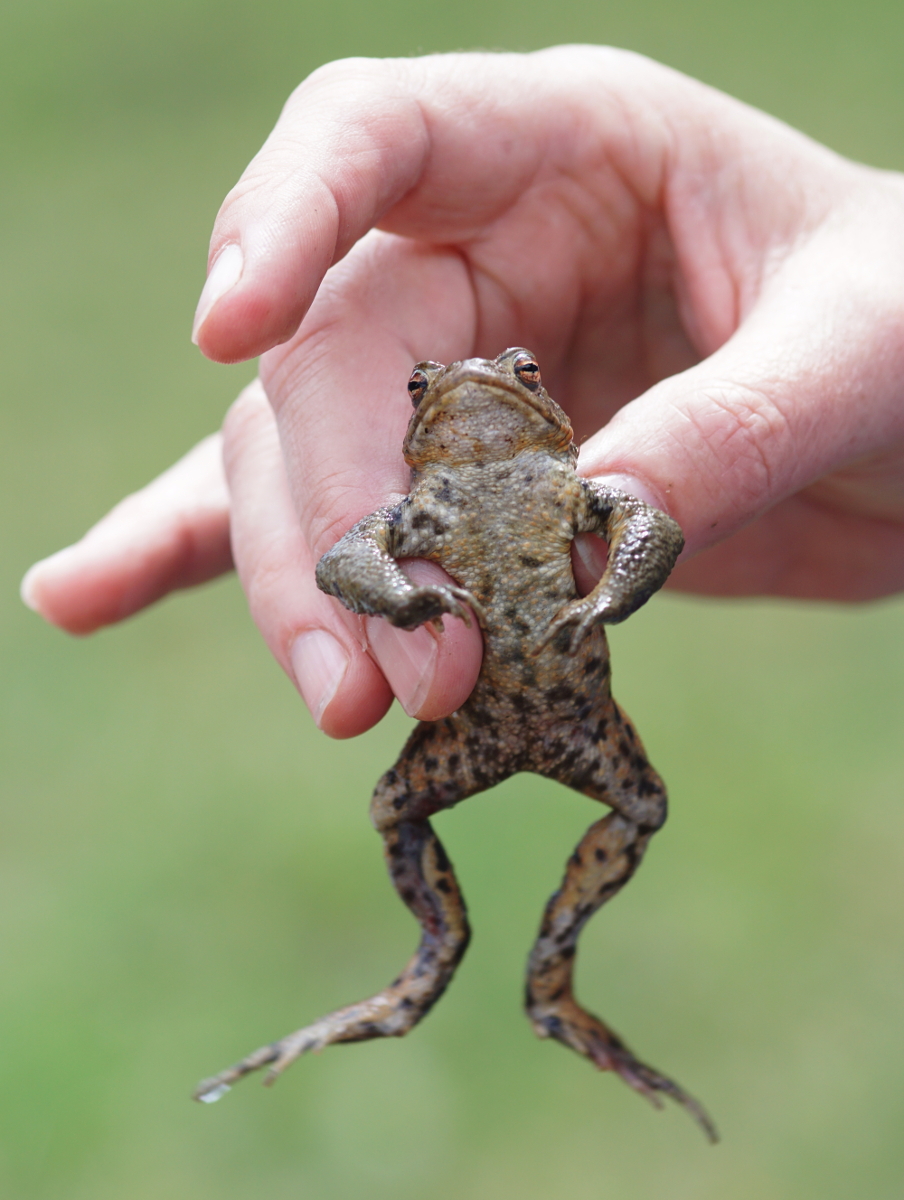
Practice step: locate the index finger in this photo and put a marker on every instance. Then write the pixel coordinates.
(436, 148)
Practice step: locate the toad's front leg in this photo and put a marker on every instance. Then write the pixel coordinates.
(644, 545)
(361, 571)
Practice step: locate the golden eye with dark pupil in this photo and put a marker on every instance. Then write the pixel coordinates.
(528, 372)
(417, 386)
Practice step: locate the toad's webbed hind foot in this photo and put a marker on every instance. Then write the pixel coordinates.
(568, 1023)
(423, 876)
(391, 1013)
(603, 862)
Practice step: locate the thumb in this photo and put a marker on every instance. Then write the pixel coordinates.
(809, 381)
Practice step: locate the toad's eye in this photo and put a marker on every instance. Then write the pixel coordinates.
(527, 371)
(417, 386)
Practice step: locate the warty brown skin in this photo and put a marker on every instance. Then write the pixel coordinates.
(496, 501)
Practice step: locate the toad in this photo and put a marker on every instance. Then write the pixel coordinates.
(496, 501)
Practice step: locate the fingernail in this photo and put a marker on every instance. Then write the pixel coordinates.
(319, 663)
(224, 274)
(406, 658)
(26, 588)
(625, 483)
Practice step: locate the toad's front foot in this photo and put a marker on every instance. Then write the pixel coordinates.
(427, 604)
(569, 1024)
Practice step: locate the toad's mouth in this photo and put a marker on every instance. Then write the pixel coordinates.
(482, 373)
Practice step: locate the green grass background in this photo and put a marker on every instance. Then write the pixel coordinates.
(186, 866)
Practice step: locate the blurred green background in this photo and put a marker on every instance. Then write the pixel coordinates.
(186, 866)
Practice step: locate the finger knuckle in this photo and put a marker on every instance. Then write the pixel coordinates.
(340, 74)
(746, 430)
(245, 428)
(245, 413)
(278, 599)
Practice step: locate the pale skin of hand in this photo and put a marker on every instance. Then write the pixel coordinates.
(716, 301)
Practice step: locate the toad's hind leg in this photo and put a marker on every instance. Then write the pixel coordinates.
(605, 859)
(429, 776)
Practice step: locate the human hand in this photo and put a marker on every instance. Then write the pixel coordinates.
(715, 300)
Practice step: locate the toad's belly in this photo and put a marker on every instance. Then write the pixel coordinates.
(516, 684)
(521, 596)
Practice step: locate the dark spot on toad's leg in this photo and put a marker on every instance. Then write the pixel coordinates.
(581, 780)
(567, 763)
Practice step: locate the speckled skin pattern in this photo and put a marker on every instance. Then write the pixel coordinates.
(495, 500)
